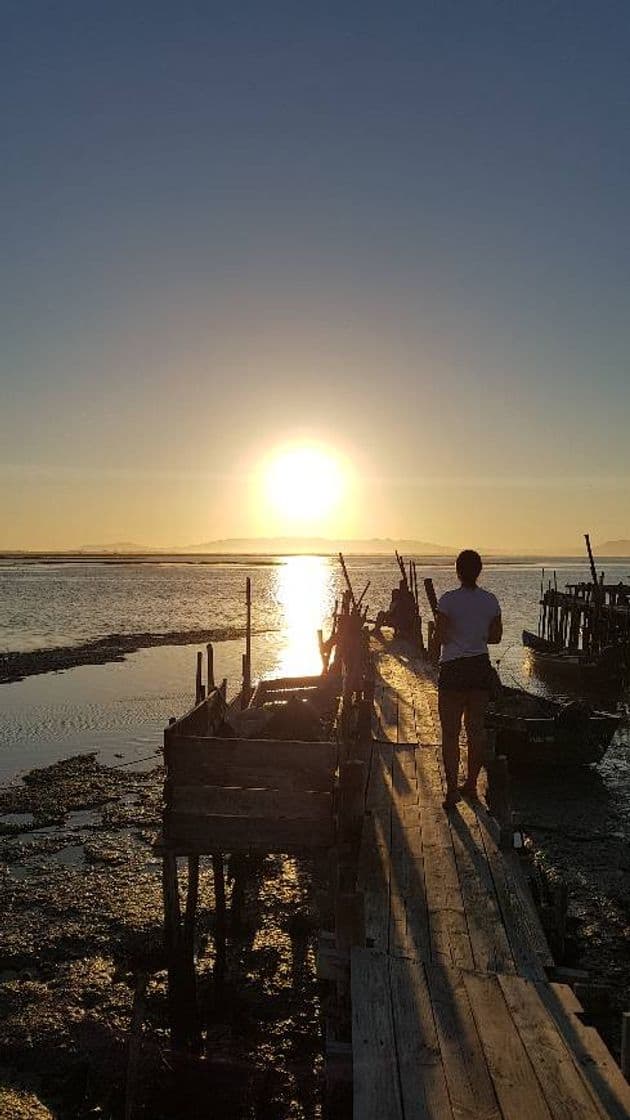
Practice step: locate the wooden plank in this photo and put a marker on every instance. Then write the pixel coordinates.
(186, 832)
(252, 763)
(422, 1079)
(373, 879)
(448, 928)
(448, 935)
(426, 731)
(490, 946)
(515, 1083)
(406, 719)
(386, 712)
(565, 1090)
(279, 684)
(598, 1066)
(221, 801)
(469, 1085)
(418, 939)
(375, 1075)
(528, 943)
(378, 794)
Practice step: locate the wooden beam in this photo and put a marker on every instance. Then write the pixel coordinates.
(251, 763)
(190, 833)
(221, 801)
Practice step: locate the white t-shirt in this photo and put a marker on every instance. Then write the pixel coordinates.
(469, 612)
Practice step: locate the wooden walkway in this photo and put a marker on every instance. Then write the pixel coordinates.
(453, 1017)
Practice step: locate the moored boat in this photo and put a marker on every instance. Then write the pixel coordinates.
(576, 668)
(534, 731)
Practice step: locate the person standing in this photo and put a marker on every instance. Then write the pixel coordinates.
(468, 620)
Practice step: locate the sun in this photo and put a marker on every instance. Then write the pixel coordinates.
(305, 484)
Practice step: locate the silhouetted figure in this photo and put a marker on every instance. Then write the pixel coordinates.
(468, 619)
(401, 613)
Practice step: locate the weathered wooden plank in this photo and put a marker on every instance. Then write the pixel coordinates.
(386, 713)
(527, 940)
(515, 1083)
(469, 1085)
(379, 788)
(422, 1078)
(221, 801)
(406, 719)
(598, 1066)
(490, 946)
(448, 935)
(256, 763)
(565, 1090)
(375, 1074)
(373, 878)
(187, 832)
(418, 930)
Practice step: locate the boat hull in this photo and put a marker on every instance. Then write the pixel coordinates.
(605, 670)
(534, 732)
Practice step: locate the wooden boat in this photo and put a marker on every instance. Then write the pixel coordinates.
(583, 636)
(533, 731)
(577, 668)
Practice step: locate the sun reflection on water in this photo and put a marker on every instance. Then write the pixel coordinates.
(305, 594)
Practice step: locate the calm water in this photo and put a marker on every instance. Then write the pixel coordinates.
(120, 709)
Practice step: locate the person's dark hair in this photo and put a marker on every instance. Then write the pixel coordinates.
(468, 567)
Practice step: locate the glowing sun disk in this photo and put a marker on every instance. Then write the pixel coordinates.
(304, 483)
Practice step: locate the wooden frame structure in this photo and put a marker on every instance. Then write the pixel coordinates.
(230, 794)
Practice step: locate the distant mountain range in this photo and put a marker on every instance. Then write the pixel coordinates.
(278, 546)
(613, 548)
(281, 545)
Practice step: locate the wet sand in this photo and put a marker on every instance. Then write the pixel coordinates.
(16, 665)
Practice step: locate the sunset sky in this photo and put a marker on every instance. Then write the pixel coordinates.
(394, 236)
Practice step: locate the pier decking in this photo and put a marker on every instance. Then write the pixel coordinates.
(453, 1015)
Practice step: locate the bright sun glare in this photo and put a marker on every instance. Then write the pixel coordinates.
(305, 483)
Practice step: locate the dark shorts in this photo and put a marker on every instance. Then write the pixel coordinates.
(466, 674)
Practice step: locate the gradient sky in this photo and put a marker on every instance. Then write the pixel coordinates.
(399, 229)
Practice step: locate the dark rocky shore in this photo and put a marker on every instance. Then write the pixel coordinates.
(83, 1023)
(16, 665)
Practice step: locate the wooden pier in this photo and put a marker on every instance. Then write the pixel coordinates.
(454, 1016)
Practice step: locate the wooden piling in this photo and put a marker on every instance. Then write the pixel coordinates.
(198, 677)
(625, 1045)
(220, 930)
(210, 657)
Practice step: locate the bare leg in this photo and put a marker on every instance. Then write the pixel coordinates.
(475, 724)
(451, 708)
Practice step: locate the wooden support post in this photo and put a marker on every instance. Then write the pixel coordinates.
(210, 655)
(185, 1034)
(625, 1045)
(499, 799)
(247, 673)
(223, 688)
(192, 895)
(220, 921)
(198, 677)
(351, 799)
(349, 919)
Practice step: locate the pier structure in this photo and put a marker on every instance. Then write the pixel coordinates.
(454, 1011)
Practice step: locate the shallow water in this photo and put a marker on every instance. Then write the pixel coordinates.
(120, 709)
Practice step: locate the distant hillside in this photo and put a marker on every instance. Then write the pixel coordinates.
(279, 545)
(118, 547)
(613, 548)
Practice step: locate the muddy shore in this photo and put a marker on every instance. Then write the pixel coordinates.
(83, 1024)
(16, 665)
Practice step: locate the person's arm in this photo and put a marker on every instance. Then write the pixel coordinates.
(495, 630)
